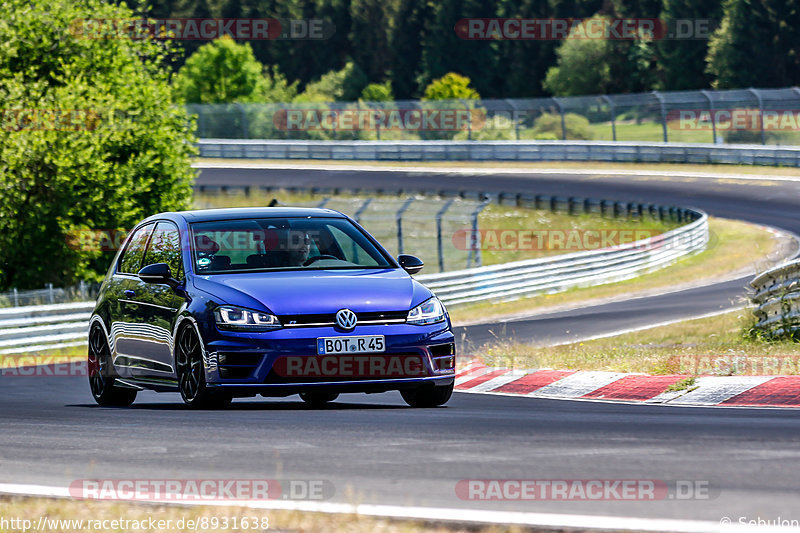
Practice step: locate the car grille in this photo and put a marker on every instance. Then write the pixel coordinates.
(329, 319)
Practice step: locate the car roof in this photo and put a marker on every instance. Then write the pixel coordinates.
(210, 215)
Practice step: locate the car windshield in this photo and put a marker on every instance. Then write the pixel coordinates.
(228, 246)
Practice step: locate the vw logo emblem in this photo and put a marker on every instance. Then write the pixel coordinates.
(346, 319)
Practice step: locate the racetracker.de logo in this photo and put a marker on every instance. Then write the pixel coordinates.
(42, 366)
(193, 490)
(50, 119)
(582, 489)
(369, 119)
(555, 239)
(350, 366)
(203, 29)
(555, 29)
(734, 119)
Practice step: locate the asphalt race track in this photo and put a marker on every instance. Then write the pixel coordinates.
(375, 450)
(578, 324)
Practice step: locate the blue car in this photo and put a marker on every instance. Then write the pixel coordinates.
(225, 303)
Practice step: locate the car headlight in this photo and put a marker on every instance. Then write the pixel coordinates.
(237, 318)
(430, 311)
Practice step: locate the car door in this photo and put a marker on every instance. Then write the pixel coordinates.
(124, 333)
(155, 308)
(146, 346)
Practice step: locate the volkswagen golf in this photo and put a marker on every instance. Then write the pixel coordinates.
(225, 303)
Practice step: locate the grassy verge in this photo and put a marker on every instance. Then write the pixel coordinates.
(174, 517)
(720, 345)
(647, 131)
(597, 166)
(734, 248)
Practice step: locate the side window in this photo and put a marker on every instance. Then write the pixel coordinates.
(131, 260)
(165, 247)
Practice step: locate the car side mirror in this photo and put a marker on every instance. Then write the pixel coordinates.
(410, 263)
(157, 273)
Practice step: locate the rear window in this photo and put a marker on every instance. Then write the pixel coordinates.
(282, 244)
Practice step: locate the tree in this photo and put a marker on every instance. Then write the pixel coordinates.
(451, 86)
(338, 85)
(757, 45)
(525, 62)
(224, 71)
(377, 92)
(582, 67)
(681, 62)
(406, 44)
(93, 138)
(632, 64)
(444, 51)
(369, 33)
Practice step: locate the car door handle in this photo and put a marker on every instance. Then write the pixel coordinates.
(130, 294)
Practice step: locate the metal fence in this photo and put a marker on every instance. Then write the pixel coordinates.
(742, 116)
(625, 152)
(520, 279)
(777, 300)
(44, 327)
(49, 295)
(403, 223)
(428, 223)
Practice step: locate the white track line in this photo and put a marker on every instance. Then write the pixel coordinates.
(438, 514)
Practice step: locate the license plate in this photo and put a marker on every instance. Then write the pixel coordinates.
(359, 344)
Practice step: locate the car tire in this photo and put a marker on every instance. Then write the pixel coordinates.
(191, 373)
(427, 396)
(318, 399)
(102, 380)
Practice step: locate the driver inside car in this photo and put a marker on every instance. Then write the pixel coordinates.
(294, 245)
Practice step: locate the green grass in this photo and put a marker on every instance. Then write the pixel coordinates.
(684, 384)
(720, 345)
(501, 218)
(647, 131)
(733, 247)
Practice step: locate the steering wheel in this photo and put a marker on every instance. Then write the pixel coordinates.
(317, 258)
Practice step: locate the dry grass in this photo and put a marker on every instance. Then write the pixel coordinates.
(721, 345)
(279, 521)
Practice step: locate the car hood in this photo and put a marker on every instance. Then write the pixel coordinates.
(316, 292)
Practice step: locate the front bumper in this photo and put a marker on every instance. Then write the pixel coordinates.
(285, 361)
